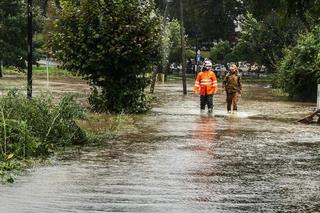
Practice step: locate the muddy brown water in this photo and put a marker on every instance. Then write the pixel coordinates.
(179, 160)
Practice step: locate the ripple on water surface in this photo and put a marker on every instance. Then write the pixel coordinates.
(184, 161)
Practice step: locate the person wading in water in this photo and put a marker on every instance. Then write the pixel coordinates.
(233, 87)
(206, 82)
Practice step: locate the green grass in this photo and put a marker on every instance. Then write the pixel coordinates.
(172, 77)
(261, 80)
(53, 71)
(279, 93)
(32, 129)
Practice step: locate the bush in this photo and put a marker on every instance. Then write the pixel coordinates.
(29, 128)
(174, 41)
(219, 52)
(190, 54)
(299, 71)
(263, 41)
(112, 43)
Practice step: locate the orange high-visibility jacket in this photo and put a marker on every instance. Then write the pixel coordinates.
(207, 83)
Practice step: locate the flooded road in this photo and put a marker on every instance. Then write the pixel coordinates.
(179, 160)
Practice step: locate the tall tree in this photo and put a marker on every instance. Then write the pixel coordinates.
(262, 8)
(13, 32)
(45, 5)
(263, 42)
(207, 20)
(307, 11)
(113, 43)
(299, 70)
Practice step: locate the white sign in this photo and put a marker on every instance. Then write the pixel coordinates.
(318, 97)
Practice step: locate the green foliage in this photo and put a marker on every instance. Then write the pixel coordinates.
(263, 42)
(174, 41)
(240, 52)
(190, 54)
(272, 26)
(30, 128)
(205, 54)
(219, 52)
(307, 11)
(13, 32)
(299, 71)
(206, 20)
(6, 170)
(209, 20)
(171, 43)
(53, 71)
(40, 71)
(262, 8)
(113, 43)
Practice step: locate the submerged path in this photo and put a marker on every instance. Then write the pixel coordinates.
(181, 161)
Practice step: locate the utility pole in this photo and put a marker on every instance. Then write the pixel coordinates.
(183, 51)
(29, 27)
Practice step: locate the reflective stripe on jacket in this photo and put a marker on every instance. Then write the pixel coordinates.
(206, 82)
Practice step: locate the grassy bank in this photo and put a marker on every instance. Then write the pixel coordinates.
(32, 129)
(268, 79)
(39, 71)
(55, 71)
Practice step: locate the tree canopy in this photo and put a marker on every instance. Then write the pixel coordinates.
(299, 71)
(113, 43)
(13, 32)
(208, 20)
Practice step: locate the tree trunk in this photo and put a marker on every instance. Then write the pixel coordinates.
(309, 119)
(153, 80)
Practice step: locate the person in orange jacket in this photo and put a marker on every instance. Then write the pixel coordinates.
(206, 82)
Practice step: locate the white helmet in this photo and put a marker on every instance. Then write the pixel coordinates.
(207, 64)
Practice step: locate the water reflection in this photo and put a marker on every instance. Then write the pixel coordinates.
(204, 129)
(180, 161)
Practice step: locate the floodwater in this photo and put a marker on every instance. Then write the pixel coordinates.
(179, 160)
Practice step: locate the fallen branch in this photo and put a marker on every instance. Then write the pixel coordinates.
(309, 119)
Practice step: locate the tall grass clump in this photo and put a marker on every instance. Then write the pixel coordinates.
(32, 127)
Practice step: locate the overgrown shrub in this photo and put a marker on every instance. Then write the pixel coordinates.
(219, 52)
(29, 128)
(299, 71)
(263, 41)
(113, 43)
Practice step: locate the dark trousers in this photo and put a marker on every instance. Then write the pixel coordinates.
(232, 99)
(206, 100)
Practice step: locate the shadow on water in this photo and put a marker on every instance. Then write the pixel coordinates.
(178, 160)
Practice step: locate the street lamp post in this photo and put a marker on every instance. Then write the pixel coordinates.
(183, 51)
(29, 27)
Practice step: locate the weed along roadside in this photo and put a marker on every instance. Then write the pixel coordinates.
(33, 130)
(55, 121)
